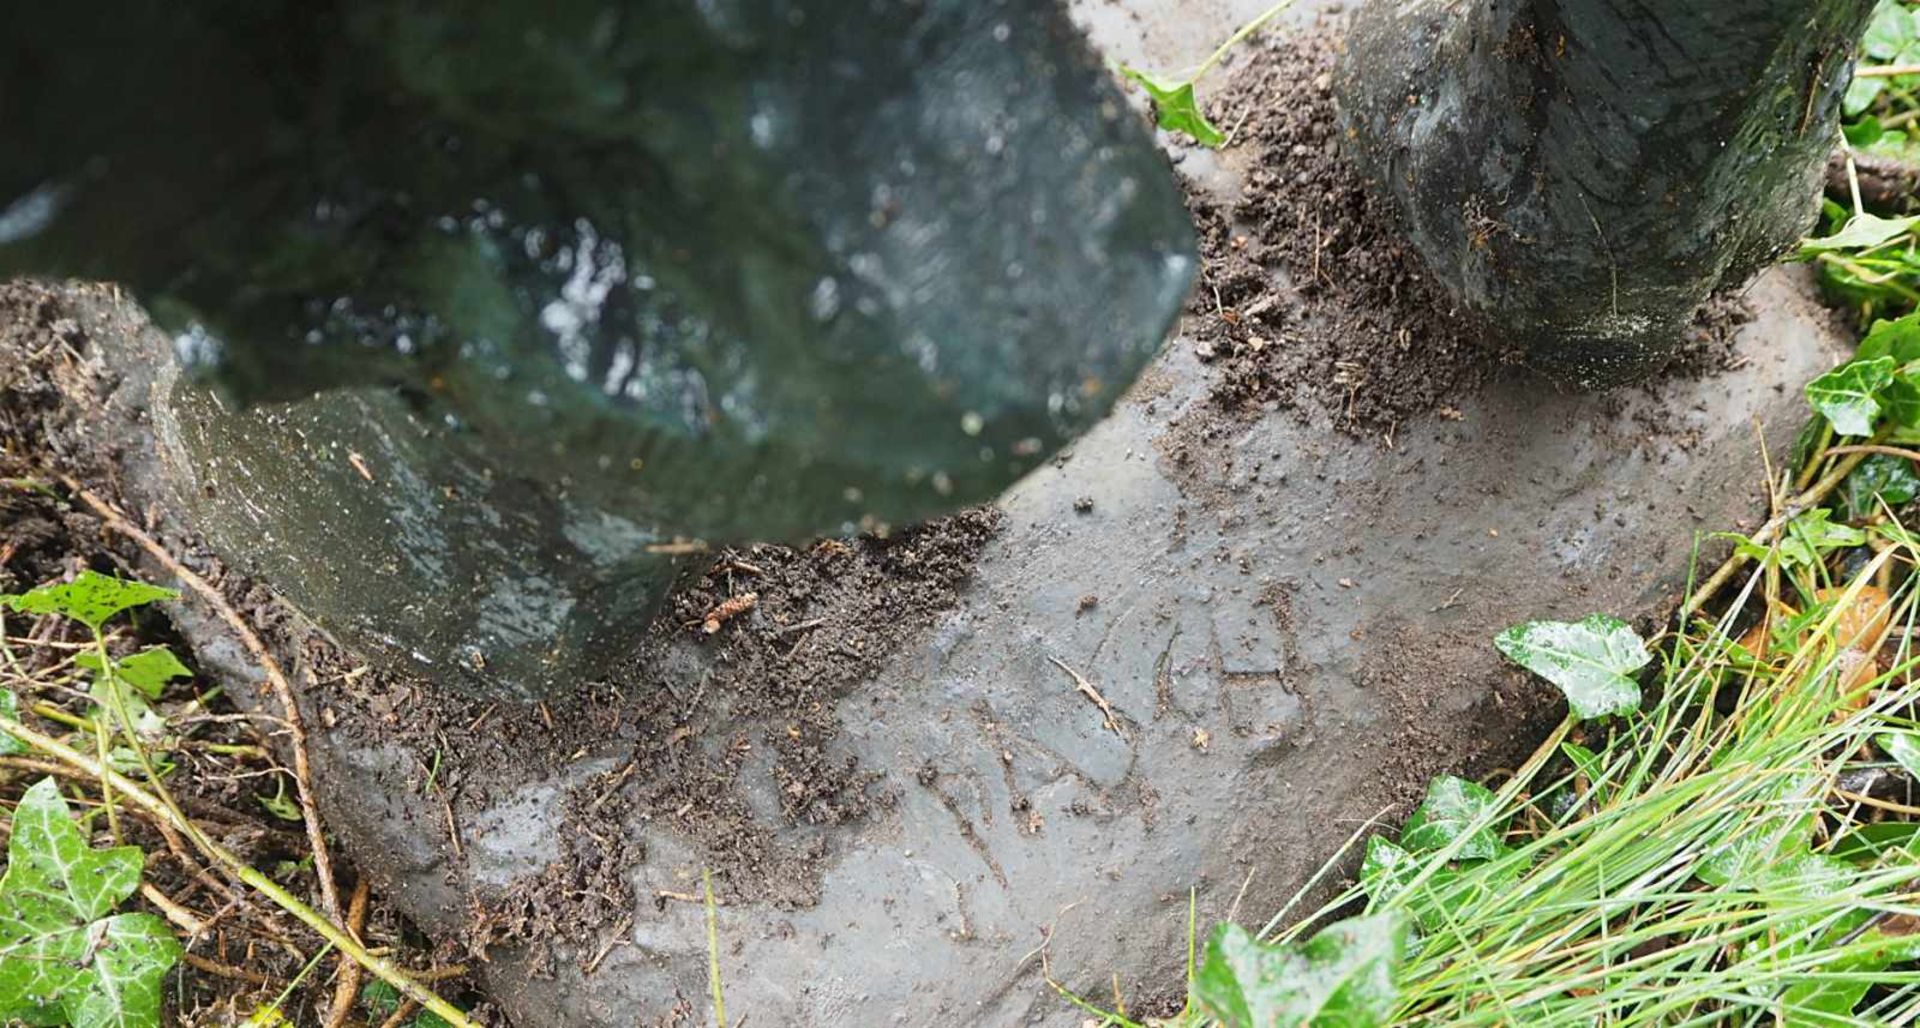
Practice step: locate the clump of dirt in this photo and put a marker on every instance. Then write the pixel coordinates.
(820, 619)
(1311, 299)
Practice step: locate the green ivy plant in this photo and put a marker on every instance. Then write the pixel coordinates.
(1345, 975)
(1176, 108)
(1880, 109)
(1593, 661)
(123, 688)
(65, 956)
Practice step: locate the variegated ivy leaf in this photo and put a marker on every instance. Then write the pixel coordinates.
(1592, 661)
(65, 956)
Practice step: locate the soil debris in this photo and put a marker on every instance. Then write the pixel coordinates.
(1310, 299)
(694, 723)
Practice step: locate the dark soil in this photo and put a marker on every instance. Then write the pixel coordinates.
(822, 618)
(1309, 298)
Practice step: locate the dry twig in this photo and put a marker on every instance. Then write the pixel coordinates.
(1086, 689)
(296, 727)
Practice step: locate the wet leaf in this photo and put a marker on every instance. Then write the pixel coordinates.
(1903, 748)
(1754, 848)
(1455, 808)
(91, 598)
(1591, 660)
(1890, 34)
(1175, 107)
(280, 805)
(148, 671)
(65, 957)
(1861, 93)
(1861, 232)
(1901, 401)
(1898, 338)
(266, 1015)
(1813, 535)
(380, 997)
(1389, 870)
(1848, 396)
(1344, 976)
(1875, 841)
(1804, 442)
(10, 709)
(1879, 478)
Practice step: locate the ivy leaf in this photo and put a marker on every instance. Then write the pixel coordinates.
(1454, 808)
(65, 957)
(1812, 536)
(1748, 852)
(126, 687)
(1176, 108)
(1387, 869)
(1344, 976)
(1880, 840)
(1848, 395)
(1879, 478)
(1390, 869)
(1899, 339)
(1901, 400)
(280, 805)
(1890, 34)
(1591, 660)
(1904, 748)
(10, 709)
(91, 598)
(1861, 232)
(148, 671)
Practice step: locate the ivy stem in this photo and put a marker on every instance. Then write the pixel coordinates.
(1807, 500)
(1238, 37)
(240, 869)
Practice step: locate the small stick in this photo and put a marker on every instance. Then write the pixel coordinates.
(1800, 505)
(400, 1014)
(1086, 689)
(1890, 451)
(347, 989)
(679, 548)
(453, 828)
(296, 727)
(179, 915)
(200, 963)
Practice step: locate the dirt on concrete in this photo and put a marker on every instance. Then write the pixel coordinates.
(785, 631)
(1310, 299)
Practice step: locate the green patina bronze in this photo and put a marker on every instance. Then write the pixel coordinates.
(482, 305)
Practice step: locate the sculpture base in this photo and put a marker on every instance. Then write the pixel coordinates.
(1198, 654)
